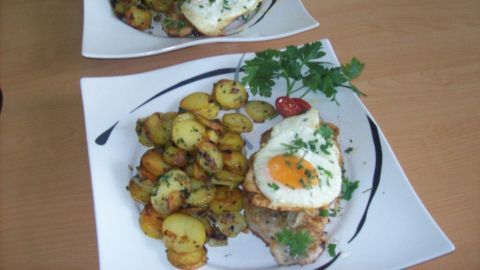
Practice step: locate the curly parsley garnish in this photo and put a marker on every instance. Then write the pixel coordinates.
(302, 71)
(297, 242)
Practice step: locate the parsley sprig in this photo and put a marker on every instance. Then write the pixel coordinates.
(331, 249)
(302, 71)
(297, 242)
(348, 187)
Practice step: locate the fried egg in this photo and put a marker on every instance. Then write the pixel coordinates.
(299, 166)
(210, 17)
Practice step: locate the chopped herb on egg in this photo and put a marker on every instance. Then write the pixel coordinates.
(313, 145)
(306, 184)
(328, 174)
(299, 165)
(308, 174)
(325, 131)
(273, 186)
(297, 144)
(226, 5)
(325, 147)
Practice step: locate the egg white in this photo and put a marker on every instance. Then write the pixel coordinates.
(211, 17)
(304, 127)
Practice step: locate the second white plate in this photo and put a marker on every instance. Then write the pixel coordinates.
(106, 36)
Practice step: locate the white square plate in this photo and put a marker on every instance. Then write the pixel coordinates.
(106, 36)
(383, 226)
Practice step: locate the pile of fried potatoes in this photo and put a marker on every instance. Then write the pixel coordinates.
(188, 180)
(140, 14)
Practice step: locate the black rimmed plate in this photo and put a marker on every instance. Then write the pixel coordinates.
(383, 226)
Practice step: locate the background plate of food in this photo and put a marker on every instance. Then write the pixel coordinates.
(135, 28)
(188, 178)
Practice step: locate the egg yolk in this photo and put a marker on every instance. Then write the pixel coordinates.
(293, 171)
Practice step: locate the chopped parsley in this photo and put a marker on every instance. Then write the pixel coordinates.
(165, 178)
(325, 131)
(331, 249)
(273, 186)
(324, 212)
(173, 24)
(295, 145)
(306, 184)
(348, 187)
(298, 143)
(328, 174)
(348, 150)
(226, 5)
(297, 242)
(325, 147)
(180, 141)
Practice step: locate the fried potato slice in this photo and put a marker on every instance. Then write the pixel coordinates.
(237, 122)
(200, 103)
(230, 94)
(231, 141)
(170, 191)
(151, 222)
(235, 162)
(187, 260)
(152, 164)
(155, 129)
(201, 197)
(138, 17)
(209, 157)
(140, 190)
(158, 5)
(183, 233)
(226, 200)
(231, 223)
(187, 134)
(175, 156)
(259, 110)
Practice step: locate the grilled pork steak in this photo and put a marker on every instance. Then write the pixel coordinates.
(266, 223)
